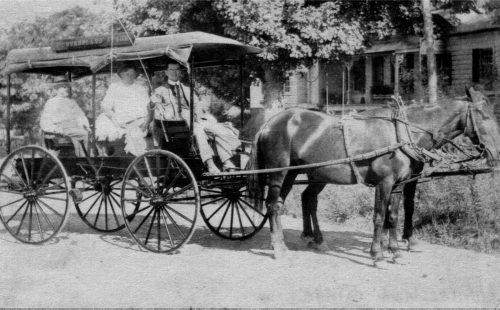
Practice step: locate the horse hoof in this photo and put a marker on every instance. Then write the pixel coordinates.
(307, 240)
(321, 247)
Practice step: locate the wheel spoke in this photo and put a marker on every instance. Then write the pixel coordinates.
(10, 192)
(175, 223)
(134, 200)
(239, 218)
(41, 167)
(93, 204)
(33, 165)
(213, 200)
(15, 213)
(30, 220)
(220, 207)
(173, 181)
(113, 209)
(223, 217)
(251, 207)
(179, 214)
(45, 215)
(182, 190)
(38, 221)
(99, 210)
(144, 220)
(8, 204)
(106, 211)
(232, 216)
(53, 198)
(142, 179)
(25, 170)
(139, 189)
(85, 199)
(248, 217)
(49, 207)
(158, 229)
(151, 227)
(19, 176)
(166, 227)
(22, 220)
(51, 172)
(10, 180)
(150, 174)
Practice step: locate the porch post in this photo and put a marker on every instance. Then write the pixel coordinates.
(398, 59)
(348, 66)
(92, 125)
(7, 125)
(368, 79)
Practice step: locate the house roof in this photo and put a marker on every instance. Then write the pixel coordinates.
(395, 45)
(469, 22)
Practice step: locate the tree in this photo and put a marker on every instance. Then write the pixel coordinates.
(431, 58)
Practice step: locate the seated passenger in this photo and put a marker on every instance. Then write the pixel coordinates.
(62, 115)
(172, 103)
(125, 112)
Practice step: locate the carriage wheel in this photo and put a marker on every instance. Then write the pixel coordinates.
(100, 207)
(161, 209)
(230, 212)
(34, 191)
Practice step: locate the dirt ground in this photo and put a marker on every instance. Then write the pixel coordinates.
(83, 268)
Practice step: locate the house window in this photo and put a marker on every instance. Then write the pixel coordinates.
(482, 65)
(286, 86)
(358, 75)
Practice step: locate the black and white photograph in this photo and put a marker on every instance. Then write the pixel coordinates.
(250, 154)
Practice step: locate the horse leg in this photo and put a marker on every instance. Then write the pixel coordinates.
(310, 206)
(391, 223)
(275, 208)
(382, 199)
(409, 206)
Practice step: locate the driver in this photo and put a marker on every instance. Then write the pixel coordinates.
(171, 103)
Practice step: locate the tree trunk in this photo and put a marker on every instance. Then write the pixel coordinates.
(273, 90)
(431, 58)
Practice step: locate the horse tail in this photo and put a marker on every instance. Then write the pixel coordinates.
(256, 181)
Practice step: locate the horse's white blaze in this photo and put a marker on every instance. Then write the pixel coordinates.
(322, 127)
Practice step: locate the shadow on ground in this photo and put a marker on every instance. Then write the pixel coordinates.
(350, 245)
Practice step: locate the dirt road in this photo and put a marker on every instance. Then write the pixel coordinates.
(82, 268)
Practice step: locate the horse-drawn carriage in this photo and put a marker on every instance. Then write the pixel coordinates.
(156, 196)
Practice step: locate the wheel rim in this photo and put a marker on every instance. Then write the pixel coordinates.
(34, 188)
(162, 207)
(228, 212)
(100, 207)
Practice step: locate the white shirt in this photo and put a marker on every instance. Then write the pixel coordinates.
(59, 112)
(126, 103)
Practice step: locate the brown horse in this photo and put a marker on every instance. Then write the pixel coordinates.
(301, 137)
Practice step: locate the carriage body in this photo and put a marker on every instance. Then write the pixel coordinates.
(157, 196)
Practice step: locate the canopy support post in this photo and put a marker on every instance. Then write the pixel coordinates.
(7, 125)
(242, 91)
(191, 96)
(92, 125)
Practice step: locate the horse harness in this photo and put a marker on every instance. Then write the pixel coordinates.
(403, 129)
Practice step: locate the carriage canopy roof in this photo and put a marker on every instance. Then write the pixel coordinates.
(199, 48)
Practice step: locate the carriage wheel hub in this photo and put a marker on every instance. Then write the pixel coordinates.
(30, 194)
(157, 201)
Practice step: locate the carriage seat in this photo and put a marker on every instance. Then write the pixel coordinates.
(177, 133)
(60, 143)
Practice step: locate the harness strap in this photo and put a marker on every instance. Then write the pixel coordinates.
(347, 143)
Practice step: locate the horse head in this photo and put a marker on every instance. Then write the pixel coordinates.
(482, 126)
